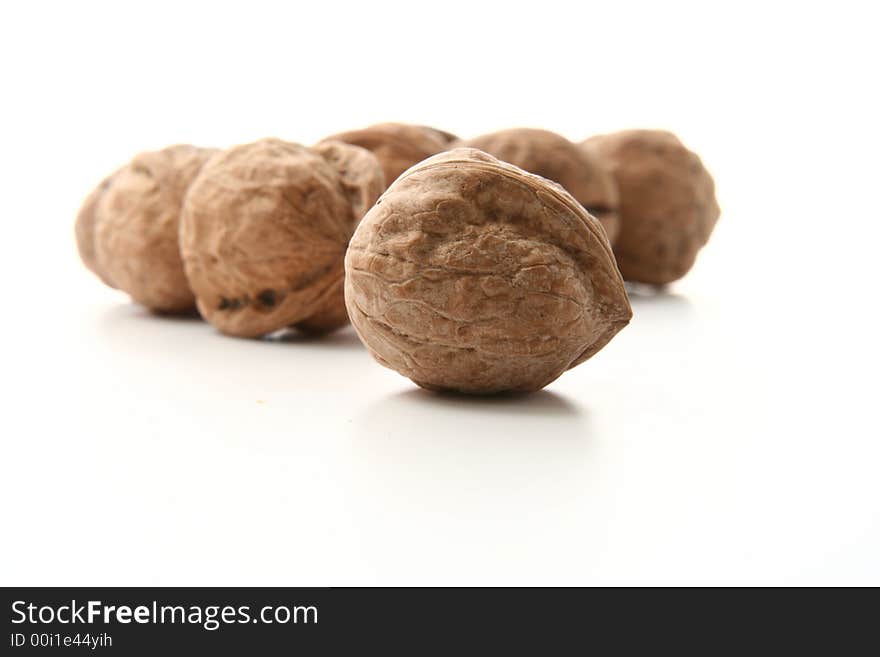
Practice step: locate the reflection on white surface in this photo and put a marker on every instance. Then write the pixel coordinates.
(671, 456)
(417, 446)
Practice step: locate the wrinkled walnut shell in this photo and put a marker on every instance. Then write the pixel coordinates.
(397, 146)
(359, 172)
(127, 228)
(85, 230)
(263, 233)
(667, 203)
(554, 157)
(472, 275)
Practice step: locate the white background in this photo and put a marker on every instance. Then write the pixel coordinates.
(729, 435)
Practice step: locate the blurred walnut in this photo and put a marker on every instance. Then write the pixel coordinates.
(554, 157)
(397, 146)
(472, 275)
(447, 137)
(85, 230)
(127, 228)
(359, 172)
(264, 229)
(667, 203)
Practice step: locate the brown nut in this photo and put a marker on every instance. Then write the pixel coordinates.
(397, 146)
(359, 171)
(472, 275)
(127, 227)
(85, 230)
(447, 137)
(263, 233)
(667, 203)
(554, 157)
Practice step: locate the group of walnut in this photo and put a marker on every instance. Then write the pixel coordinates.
(486, 266)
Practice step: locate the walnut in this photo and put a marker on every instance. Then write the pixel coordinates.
(85, 230)
(398, 146)
(264, 229)
(554, 157)
(447, 137)
(362, 181)
(127, 227)
(668, 207)
(472, 275)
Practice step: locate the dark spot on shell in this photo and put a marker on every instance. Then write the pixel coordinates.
(267, 298)
(598, 210)
(229, 304)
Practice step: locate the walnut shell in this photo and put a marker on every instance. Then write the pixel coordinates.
(447, 137)
(263, 233)
(85, 230)
(397, 146)
(554, 157)
(667, 203)
(127, 228)
(472, 275)
(359, 171)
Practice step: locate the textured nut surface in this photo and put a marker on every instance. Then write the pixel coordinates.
(359, 171)
(667, 203)
(397, 146)
(472, 275)
(135, 217)
(362, 181)
(85, 230)
(263, 233)
(447, 137)
(554, 157)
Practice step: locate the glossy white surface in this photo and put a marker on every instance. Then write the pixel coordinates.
(727, 436)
